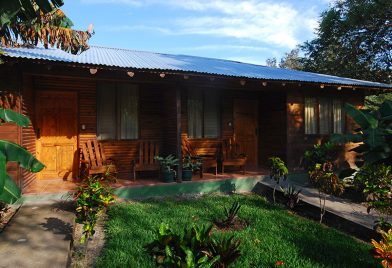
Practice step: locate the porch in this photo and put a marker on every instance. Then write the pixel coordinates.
(145, 187)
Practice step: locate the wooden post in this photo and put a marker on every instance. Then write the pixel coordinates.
(179, 150)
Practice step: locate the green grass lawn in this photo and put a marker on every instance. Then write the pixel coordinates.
(273, 234)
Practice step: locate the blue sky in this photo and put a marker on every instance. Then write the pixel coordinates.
(247, 31)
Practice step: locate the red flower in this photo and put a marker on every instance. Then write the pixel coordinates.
(279, 263)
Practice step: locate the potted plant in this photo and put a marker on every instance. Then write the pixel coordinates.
(168, 164)
(189, 165)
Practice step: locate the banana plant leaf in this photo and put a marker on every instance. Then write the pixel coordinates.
(10, 116)
(12, 152)
(365, 120)
(11, 191)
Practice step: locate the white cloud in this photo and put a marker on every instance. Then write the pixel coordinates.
(273, 23)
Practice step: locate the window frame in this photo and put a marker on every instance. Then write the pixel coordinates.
(117, 111)
(219, 111)
(317, 115)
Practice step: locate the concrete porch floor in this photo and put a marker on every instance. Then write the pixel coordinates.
(59, 186)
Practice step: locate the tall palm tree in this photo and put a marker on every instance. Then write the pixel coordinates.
(29, 22)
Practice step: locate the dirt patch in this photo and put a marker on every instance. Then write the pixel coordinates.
(85, 255)
(237, 225)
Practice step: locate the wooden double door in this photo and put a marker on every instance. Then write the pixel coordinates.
(246, 128)
(56, 130)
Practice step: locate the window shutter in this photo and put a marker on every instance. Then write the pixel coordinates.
(325, 116)
(128, 111)
(195, 113)
(310, 116)
(211, 114)
(106, 112)
(338, 116)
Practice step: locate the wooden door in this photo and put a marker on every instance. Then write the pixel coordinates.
(56, 129)
(245, 128)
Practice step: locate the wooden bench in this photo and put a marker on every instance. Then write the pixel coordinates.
(146, 151)
(94, 160)
(208, 150)
(232, 155)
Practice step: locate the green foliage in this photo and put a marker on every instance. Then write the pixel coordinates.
(191, 163)
(383, 249)
(325, 180)
(91, 198)
(195, 247)
(376, 182)
(230, 215)
(354, 39)
(320, 154)
(168, 163)
(375, 133)
(12, 152)
(292, 196)
(278, 169)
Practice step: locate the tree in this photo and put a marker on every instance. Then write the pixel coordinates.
(354, 39)
(28, 22)
(291, 60)
(271, 62)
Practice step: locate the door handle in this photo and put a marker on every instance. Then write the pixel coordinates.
(38, 133)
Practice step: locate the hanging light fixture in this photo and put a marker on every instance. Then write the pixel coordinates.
(242, 82)
(93, 70)
(131, 74)
(162, 75)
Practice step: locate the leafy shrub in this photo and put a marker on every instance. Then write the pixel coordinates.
(230, 216)
(383, 249)
(195, 247)
(320, 154)
(168, 163)
(324, 179)
(326, 182)
(191, 163)
(292, 196)
(91, 198)
(278, 171)
(382, 225)
(376, 183)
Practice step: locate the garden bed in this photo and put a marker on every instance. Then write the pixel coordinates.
(273, 234)
(7, 215)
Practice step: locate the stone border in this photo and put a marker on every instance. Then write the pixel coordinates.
(8, 216)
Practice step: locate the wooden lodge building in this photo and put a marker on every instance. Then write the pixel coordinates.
(122, 97)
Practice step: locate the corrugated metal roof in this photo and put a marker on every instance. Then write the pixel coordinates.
(131, 59)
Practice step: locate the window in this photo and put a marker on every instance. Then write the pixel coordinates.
(324, 116)
(117, 111)
(203, 114)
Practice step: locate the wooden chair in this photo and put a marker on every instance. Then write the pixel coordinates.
(145, 161)
(94, 160)
(232, 156)
(208, 156)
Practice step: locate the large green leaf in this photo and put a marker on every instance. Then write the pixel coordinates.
(12, 152)
(11, 192)
(16, 153)
(11, 116)
(386, 110)
(374, 137)
(364, 119)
